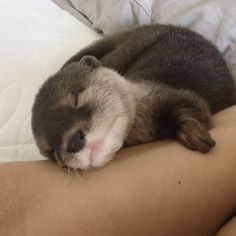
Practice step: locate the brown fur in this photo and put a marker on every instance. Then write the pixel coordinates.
(174, 78)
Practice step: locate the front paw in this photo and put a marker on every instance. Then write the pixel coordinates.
(195, 136)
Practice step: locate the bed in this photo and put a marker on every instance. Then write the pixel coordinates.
(37, 37)
(214, 19)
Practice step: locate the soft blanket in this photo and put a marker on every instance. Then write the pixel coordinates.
(214, 19)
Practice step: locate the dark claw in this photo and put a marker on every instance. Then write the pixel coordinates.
(196, 138)
(212, 143)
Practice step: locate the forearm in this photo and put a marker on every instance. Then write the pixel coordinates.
(159, 187)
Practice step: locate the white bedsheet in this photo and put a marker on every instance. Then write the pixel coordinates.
(36, 38)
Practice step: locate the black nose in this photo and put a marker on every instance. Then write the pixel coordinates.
(76, 142)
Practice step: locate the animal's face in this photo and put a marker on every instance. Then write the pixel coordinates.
(79, 116)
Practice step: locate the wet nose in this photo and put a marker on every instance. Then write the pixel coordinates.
(76, 142)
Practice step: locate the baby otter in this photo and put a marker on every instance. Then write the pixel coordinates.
(152, 83)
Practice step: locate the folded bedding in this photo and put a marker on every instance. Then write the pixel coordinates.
(37, 37)
(214, 19)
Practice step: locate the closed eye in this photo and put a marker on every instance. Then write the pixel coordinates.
(84, 112)
(76, 101)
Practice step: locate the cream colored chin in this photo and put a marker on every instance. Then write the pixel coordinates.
(105, 150)
(82, 160)
(86, 159)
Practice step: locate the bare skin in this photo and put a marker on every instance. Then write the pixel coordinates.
(229, 229)
(154, 189)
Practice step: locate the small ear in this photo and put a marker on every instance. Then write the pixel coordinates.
(90, 61)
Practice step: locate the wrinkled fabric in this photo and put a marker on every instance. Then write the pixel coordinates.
(214, 19)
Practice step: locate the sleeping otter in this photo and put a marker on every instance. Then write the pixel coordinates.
(152, 83)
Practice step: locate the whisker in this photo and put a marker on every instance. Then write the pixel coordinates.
(84, 174)
(76, 172)
(70, 181)
(81, 172)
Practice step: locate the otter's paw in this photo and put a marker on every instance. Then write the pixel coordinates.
(195, 136)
